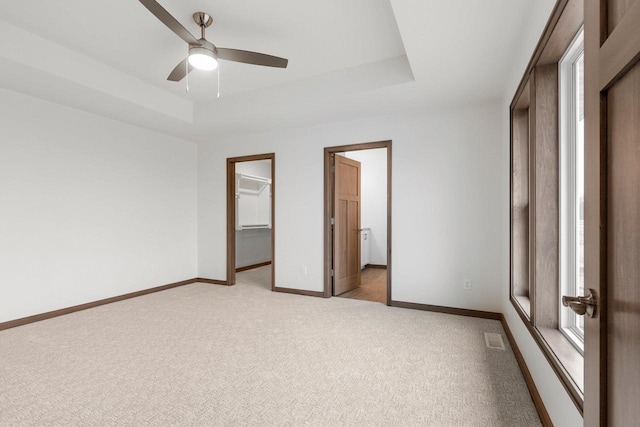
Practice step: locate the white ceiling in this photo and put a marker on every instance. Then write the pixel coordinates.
(347, 59)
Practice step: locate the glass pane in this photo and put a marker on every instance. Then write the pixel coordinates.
(578, 78)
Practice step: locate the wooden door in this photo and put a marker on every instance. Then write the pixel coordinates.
(612, 211)
(346, 247)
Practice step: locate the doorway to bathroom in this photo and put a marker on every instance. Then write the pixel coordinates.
(358, 221)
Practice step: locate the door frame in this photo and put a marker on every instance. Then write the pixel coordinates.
(329, 209)
(231, 213)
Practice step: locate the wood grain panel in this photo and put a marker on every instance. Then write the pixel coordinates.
(595, 227)
(564, 32)
(544, 44)
(546, 197)
(616, 11)
(342, 240)
(354, 238)
(373, 286)
(389, 163)
(329, 200)
(349, 176)
(524, 100)
(347, 225)
(520, 203)
(621, 49)
(623, 335)
(533, 117)
(231, 222)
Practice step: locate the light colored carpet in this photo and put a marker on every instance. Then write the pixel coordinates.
(213, 355)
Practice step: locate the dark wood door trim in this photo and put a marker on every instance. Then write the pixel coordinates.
(231, 214)
(329, 152)
(595, 222)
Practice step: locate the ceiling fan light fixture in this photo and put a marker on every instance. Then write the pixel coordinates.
(202, 58)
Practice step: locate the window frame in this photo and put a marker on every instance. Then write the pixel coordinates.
(567, 188)
(541, 82)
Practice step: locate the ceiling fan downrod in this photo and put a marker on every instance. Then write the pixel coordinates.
(204, 20)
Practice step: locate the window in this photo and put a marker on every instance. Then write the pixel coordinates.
(547, 195)
(571, 93)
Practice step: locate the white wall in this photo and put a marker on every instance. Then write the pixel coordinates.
(558, 403)
(448, 196)
(373, 215)
(253, 246)
(260, 168)
(90, 208)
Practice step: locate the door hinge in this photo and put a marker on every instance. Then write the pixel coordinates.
(333, 221)
(333, 168)
(332, 272)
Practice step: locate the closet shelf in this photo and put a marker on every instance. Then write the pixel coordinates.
(253, 202)
(250, 184)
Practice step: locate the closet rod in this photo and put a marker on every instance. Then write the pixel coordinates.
(255, 178)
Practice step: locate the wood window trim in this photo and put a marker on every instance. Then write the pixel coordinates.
(523, 305)
(567, 362)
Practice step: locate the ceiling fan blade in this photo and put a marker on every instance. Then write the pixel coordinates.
(254, 58)
(180, 71)
(167, 19)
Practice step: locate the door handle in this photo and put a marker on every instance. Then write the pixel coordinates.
(582, 305)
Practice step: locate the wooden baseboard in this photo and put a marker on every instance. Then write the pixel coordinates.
(375, 266)
(528, 379)
(447, 310)
(210, 281)
(252, 266)
(68, 310)
(299, 292)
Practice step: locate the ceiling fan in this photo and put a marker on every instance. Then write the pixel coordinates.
(203, 54)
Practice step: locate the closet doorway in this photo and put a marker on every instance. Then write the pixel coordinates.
(357, 231)
(251, 219)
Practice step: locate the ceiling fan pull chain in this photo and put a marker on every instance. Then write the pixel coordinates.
(218, 81)
(186, 68)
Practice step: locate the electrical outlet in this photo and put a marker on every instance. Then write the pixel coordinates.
(303, 270)
(466, 284)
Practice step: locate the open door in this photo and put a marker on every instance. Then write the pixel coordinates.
(341, 246)
(346, 249)
(612, 212)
